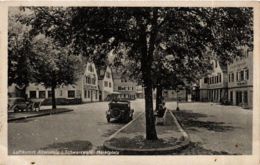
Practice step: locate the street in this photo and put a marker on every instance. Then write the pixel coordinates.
(216, 129)
(83, 129)
(213, 129)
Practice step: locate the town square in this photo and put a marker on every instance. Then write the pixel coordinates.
(130, 81)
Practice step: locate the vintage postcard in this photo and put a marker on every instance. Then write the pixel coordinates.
(117, 82)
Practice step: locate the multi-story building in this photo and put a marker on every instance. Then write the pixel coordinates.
(139, 91)
(182, 95)
(89, 84)
(240, 80)
(85, 89)
(213, 87)
(105, 83)
(124, 86)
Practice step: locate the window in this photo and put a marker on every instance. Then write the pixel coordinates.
(49, 94)
(106, 84)
(247, 74)
(229, 77)
(88, 94)
(123, 80)
(219, 77)
(110, 85)
(32, 94)
(85, 94)
(245, 97)
(71, 94)
(237, 76)
(88, 80)
(241, 75)
(94, 81)
(42, 94)
(108, 74)
(119, 88)
(231, 97)
(60, 92)
(205, 80)
(232, 77)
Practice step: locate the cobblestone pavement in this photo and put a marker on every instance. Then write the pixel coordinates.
(215, 129)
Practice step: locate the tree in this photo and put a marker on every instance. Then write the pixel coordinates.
(54, 65)
(186, 34)
(19, 55)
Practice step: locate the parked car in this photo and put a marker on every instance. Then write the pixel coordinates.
(16, 104)
(119, 110)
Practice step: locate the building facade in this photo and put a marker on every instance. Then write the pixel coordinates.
(214, 87)
(182, 95)
(240, 81)
(38, 91)
(125, 87)
(105, 83)
(139, 92)
(85, 89)
(89, 84)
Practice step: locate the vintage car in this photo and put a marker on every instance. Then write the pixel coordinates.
(119, 110)
(19, 104)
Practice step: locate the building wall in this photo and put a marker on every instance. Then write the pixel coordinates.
(90, 91)
(125, 87)
(213, 87)
(38, 91)
(240, 82)
(172, 95)
(86, 88)
(139, 92)
(106, 85)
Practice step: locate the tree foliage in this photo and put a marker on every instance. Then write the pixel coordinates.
(19, 54)
(149, 36)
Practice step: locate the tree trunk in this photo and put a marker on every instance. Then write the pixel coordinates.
(147, 51)
(158, 96)
(149, 116)
(53, 97)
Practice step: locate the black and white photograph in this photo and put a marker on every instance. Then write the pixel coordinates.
(112, 80)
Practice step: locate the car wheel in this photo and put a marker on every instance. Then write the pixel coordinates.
(16, 109)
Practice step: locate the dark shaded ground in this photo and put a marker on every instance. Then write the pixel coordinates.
(141, 143)
(197, 149)
(190, 121)
(76, 145)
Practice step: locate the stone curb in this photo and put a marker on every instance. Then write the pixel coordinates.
(184, 141)
(38, 115)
